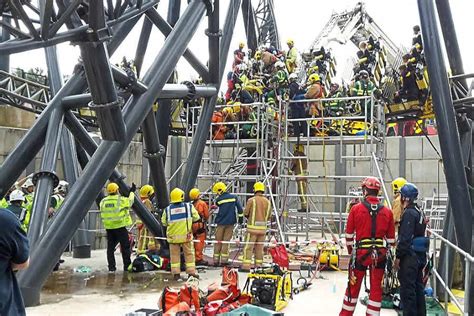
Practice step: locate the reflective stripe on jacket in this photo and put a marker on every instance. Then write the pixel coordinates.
(178, 219)
(257, 210)
(115, 211)
(229, 209)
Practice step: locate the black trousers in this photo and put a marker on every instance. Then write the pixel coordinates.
(115, 236)
(411, 285)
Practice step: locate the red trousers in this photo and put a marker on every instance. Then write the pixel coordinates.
(352, 292)
(199, 246)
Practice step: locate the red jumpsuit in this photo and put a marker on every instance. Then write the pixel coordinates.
(199, 228)
(370, 253)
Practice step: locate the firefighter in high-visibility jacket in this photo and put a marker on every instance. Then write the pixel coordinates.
(397, 208)
(368, 224)
(299, 167)
(115, 214)
(178, 219)
(199, 227)
(58, 197)
(28, 189)
(146, 240)
(291, 56)
(257, 211)
(229, 213)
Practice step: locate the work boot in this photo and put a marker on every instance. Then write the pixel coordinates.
(201, 263)
(112, 270)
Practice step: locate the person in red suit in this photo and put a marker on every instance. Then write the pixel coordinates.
(370, 231)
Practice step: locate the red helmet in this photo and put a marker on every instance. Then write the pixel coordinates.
(371, 183)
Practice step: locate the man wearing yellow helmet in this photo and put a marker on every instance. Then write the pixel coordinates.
(178, 218)
(258, 212)
(146, 240)
(397, 208)
(291, 56)
(115, 214)
(239, 55)
(315, 91)
(199, 227)
(229, 212)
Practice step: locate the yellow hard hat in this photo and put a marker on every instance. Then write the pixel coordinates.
(258, 187)
(236, 107)
(176, 195)
(290, 42)
(228, 110)
(397, 184)
(194, 194)
(112, 188)
(219, 188)
(258, 55)
(314, 78)
(146, 191)
(241, 45)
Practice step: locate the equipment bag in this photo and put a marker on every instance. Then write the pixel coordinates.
(280, 256)
(230, 276)
(227, 293)
(171, 297)
(145, 262)
(420, 244)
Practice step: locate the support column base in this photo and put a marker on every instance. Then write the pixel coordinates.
(31, 295)
(82, 252)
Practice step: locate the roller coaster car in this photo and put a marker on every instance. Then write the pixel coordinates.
(409, 110)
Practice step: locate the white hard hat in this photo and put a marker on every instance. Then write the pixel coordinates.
(242, 67)
(63, 186)
(27, 183)
(279, 64)
(293, 76)
(17, 195)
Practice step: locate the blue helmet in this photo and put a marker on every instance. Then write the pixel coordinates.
(409, 191)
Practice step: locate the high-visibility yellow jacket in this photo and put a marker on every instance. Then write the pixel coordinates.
(3, 203)
(257, 211)
(28, 205)
(292, 55)
(115, 211)
(178, 219)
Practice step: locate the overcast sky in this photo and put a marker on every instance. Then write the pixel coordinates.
(301, 20)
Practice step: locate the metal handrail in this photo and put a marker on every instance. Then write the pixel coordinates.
(468, 258)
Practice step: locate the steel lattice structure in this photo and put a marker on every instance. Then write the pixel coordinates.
(122, 104)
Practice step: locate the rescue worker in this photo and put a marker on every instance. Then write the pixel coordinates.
(257, 211)
(363, 87)
(218, 130)
(199, 227)
(397, 208)
(364, 57)
(115, 214)
(178, 219)
(16, 201)
(417, 38)
(229, 213)
(239, 55)
(291, 56)
(299, 168)
(280, 78)
(28, 189)
(411, 253)
(58, 198)
(335, 107)
(146, 240)
(315, 91)
(368, 224)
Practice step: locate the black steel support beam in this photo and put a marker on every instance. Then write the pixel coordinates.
(153, 153)
(166, 29)
(249, 24)
(107, 156)
(450, 39)
(202, 131)
(142, 45)
(214, 33)
(5, 59)
(46, 179)
(27, 148)
(447, 128)
(105, 101)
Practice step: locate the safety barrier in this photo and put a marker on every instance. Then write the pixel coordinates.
(468, 260)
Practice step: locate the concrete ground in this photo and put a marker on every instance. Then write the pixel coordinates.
(98, 293)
